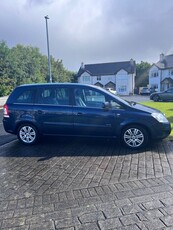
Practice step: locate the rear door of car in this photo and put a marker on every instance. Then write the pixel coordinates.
(54, 110)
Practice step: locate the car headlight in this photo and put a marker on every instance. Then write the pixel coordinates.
(160, 117)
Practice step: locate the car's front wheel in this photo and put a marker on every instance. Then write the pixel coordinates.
(27, 134)
(156, 98)
(135, 136)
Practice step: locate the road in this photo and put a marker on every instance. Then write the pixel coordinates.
(136, 98)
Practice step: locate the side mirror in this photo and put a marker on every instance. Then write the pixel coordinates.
(106, 105)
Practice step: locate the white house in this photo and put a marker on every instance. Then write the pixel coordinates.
(161, 73)
(116, 75)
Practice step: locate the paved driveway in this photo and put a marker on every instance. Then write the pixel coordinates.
(75, 184)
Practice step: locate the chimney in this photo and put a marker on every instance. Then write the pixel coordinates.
(131, 61)
(162, 56)
(82, 65)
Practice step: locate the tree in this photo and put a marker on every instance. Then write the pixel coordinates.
(25, 64)
(6, 85)
(60, 74)
(142, 77)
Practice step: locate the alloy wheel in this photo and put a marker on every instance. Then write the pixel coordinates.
(134, 137)
(27, 134)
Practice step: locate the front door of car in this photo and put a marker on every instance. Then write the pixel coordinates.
(169, 94)
(91, 116)
(54, 111)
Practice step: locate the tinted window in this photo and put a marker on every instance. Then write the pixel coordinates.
(25, 96)
(85, 97)
(89, 98)
(115, 105)
(170, 90)
(54, 96)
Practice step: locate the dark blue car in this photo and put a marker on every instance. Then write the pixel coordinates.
(80, 110)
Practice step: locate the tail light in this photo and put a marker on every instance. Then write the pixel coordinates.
(6, 112)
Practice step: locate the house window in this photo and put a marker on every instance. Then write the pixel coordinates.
(155, 74)
(86, 78)
(98, 78)
(171, 72)
(154, 87)
(123, 88)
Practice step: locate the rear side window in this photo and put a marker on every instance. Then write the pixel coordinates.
(54, 96)
(25, 96)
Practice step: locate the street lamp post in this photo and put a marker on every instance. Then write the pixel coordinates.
(49, 63)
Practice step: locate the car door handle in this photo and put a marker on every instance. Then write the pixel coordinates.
(40, 111)
(79, 114)
(117, 114)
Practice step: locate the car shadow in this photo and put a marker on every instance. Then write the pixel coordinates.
(50, 147)
(7, 138)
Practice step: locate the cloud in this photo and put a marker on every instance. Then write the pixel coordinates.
(39, 2)
(79, 30)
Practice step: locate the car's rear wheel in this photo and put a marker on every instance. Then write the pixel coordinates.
(156, 98)
(27, 134)
(135, 137)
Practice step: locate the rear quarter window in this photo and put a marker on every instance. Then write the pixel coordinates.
(22, 96)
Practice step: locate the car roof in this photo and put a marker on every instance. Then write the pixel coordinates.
(57, 84)
(60, 84)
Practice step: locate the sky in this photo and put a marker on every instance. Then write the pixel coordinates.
(90, 31)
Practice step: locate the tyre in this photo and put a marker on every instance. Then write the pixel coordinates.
(27, 134)
(135, 137)
(156, 98)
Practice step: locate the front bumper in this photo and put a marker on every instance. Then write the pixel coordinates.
(161, 131)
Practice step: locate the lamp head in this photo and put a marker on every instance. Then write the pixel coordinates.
(46, 17)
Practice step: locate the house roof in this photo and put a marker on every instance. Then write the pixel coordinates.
(168, 79)
(110, 68)
(166, 63)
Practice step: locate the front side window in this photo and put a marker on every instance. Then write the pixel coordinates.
(94, 99)
(89, 98)
(115, 105)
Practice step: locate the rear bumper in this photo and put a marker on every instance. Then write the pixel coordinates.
(8, 126)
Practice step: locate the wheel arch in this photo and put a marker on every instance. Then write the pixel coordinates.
(26, 122)
(136, 124)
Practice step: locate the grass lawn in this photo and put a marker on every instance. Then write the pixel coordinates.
(166, 108)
